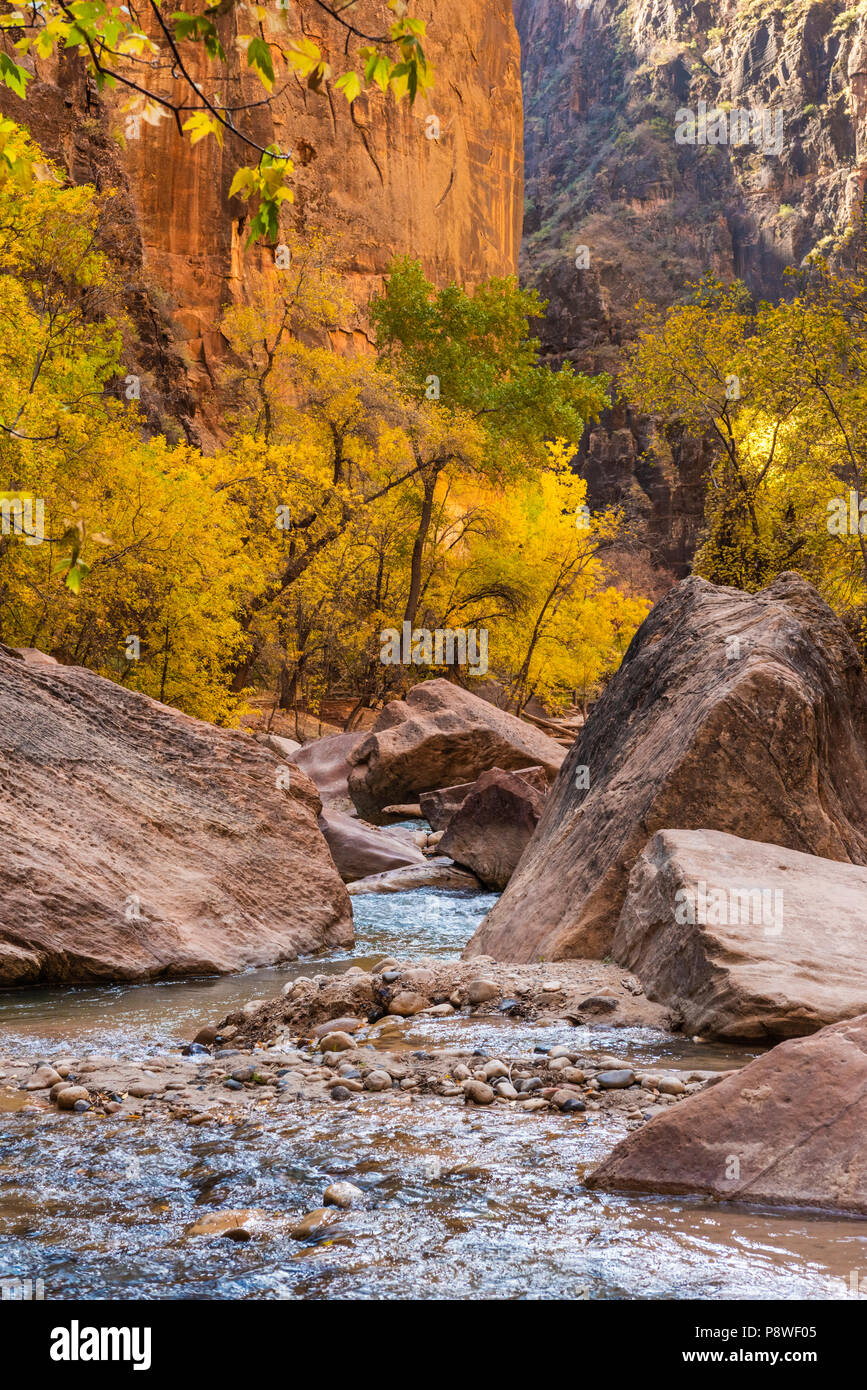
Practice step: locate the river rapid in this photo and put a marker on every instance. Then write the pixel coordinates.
(462, 1203)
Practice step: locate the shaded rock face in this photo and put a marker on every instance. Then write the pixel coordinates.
(368, 176)
(493, 826)
(439, 806)
(788, 1129)
(140, 843)
(745, 713)
(359, 849)
(440, 734)
(602, 83)
(745, 940)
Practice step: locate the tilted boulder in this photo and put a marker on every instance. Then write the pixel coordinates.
(739, 712)
(359, 849)
(493, 826)
(439, 806)
(137, 842)
(786, 1130)
(440, 735)
(745, 940)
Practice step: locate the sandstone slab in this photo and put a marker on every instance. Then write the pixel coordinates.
(745, 713)
(138, 842)
(745, 940)
(429, 875)
(359, 849)
(787, 1129)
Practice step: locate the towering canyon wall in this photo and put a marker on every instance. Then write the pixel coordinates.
(603, 80)
(367, 175)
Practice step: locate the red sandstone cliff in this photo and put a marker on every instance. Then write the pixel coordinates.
(368, 175)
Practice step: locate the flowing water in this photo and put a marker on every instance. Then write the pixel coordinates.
(460, 1202)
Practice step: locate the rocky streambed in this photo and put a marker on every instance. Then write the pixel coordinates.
(300, 1151)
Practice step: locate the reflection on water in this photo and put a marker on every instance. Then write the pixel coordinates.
(459, 1203)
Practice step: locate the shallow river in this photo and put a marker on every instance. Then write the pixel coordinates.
(465, 1203)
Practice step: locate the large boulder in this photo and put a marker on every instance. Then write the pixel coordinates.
(493, 826)
(786, 1130)
(440, 805)
(359, 849)
(745, 940)
(136, 842)
(440, 735)
(325, 761)
(739, 712)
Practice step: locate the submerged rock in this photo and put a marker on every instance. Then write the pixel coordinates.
(788, 1129)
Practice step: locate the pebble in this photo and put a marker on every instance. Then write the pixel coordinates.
(461, 1072)
(495, 1069)
(536, 1103)
(615, 1080)
(207, 1035)
(219, 1223)
(342, 1194)
(340, 1093)
(407, 1003)
(552, 987)
(377, 1081)
(70, 1095)
(567, 1100)
(314, 1223)
(506, 1090)
(573, 1074)
(336, 1042)
(671, 1086)
(345, 1083)
(440, 1011)
(346, 1024)
(42, 1079)
(481, 991)
(478, 1092)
